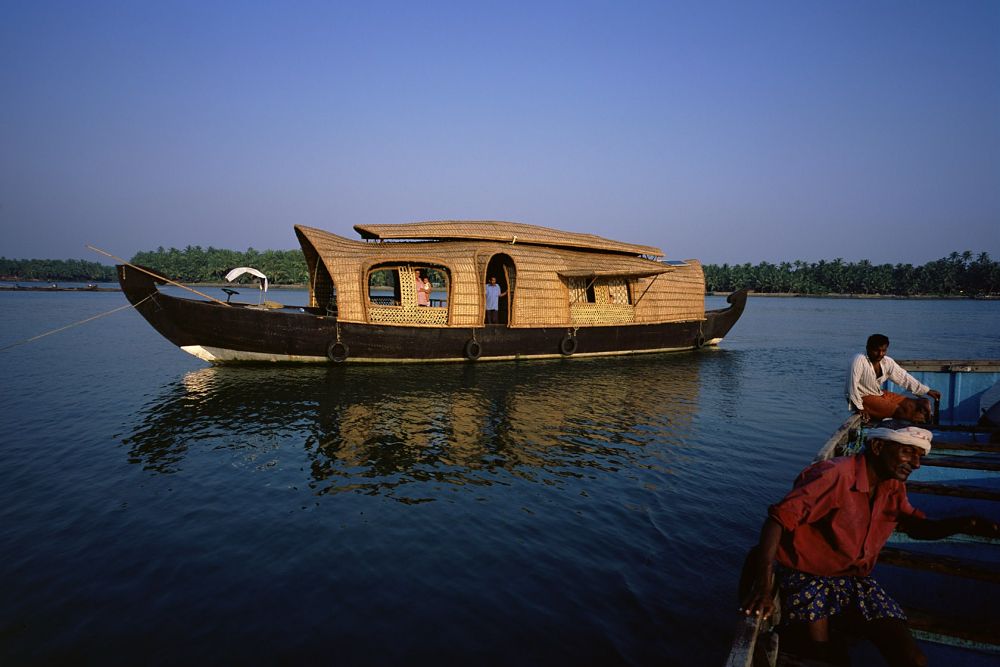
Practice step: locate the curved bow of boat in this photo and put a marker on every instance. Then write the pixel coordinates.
(719, 322)
(738, 299)
(138, 283)
(170, 316)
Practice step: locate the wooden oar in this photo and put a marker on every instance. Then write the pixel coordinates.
(157, 276)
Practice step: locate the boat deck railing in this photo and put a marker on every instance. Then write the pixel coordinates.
(962, 384)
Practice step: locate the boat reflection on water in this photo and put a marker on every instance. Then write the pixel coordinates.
(375, 429)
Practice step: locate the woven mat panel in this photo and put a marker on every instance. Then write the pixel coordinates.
(541, 297)
(678, 296)
(342, 258)
(618, 291)
(407, 316)
(597, 314)
(466, 315)
(536, 311)
(352, 292)
(466, 291)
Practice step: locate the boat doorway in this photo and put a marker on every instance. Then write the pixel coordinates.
(501, 267)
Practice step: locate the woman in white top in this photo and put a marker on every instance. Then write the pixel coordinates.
(423, 286)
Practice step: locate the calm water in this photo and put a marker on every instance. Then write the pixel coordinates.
(155, 510)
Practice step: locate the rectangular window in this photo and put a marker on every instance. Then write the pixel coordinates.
(602, 290)
(383, 287)
(600, 301)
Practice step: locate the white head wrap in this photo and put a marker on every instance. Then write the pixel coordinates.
(908, 435)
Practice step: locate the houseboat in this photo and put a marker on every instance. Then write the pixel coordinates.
(417, 293)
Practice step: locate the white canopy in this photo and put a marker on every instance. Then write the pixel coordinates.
(236, 273)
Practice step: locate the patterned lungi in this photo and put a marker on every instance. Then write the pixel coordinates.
(809, 597)
(882, 407)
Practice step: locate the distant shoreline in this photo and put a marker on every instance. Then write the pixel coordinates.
(36, 287)
(56, 288)
(983, 297)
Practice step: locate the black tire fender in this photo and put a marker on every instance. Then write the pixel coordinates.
(338, 352)
(473, 349)
(699, 342)
(568, 345)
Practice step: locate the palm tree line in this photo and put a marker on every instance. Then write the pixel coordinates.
(957, 274)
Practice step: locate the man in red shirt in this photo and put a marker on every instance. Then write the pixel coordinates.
(822, 540)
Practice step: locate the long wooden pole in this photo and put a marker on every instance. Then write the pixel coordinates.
(156, 275)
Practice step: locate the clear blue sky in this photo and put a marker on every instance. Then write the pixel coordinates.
(725, 131)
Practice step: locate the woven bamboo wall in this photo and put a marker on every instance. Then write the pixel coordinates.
(601, 314)
(407, 315)
(678, 296)
(541, 296)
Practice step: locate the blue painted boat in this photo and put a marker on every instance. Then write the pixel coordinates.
(949, 588)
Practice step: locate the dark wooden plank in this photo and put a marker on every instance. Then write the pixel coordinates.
(950, 365)
(992, 447)
(791, 660)
(748, 629)
(964, 462)
(976, 630)
(965, 428)
(958, 490)
(949, 565)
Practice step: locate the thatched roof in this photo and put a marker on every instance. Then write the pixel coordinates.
(509, 232)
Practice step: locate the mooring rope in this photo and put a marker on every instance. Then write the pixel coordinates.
(157, 276)
(74, 324)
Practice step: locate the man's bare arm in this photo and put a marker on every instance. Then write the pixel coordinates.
(760, 599)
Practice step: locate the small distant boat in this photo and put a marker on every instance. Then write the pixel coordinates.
(949, 587)
(563, 295)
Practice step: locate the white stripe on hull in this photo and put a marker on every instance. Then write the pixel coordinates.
(222, 355)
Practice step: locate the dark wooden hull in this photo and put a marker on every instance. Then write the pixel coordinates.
(239, 333)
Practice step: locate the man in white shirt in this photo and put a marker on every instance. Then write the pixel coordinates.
(864, 385)
(493, 295)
